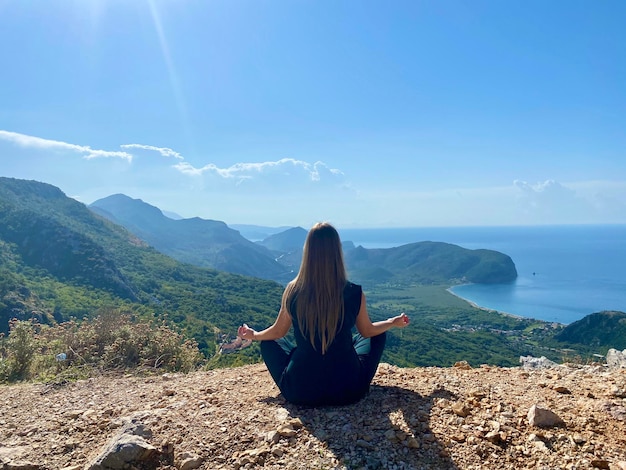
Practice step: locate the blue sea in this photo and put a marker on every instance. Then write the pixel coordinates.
(564, 272)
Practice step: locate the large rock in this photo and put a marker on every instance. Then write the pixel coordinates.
(189, 461)
(530, 362)
(543, 418)
(122, 450)
(616, 359)
(12, 458)
(129, 448)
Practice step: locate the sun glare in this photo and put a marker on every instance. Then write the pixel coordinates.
(171, 69)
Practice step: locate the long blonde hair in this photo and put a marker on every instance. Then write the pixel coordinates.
(319, 286)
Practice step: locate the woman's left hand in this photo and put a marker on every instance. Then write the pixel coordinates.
(400, 321)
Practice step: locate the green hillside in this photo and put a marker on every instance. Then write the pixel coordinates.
(60, 260)
(204, 243)
(430, 262)
(289, 240)
(599, 329)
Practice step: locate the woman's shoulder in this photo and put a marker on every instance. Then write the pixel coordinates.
(352, 296)
(352, 289)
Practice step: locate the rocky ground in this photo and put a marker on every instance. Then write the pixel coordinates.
(431, 418)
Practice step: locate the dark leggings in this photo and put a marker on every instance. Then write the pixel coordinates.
(277, 354)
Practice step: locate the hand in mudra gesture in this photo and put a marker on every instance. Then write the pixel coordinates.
(400, 321)
(245, 332)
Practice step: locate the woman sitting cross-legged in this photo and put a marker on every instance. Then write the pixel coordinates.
(328, 365)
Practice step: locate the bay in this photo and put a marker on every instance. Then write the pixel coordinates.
(564, 272)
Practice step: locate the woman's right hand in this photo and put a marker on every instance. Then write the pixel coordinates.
(245, 332)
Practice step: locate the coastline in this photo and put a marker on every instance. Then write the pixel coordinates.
(486, 309)
(564, 272)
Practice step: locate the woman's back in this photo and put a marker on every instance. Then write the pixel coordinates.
(319, 289)
(331, 377)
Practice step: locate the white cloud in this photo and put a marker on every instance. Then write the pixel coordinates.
(548, 188)
(519, 203)
(576, 202)
(286, 168)
(87, 152)
(549, 198)
(607, 197)
(250, 191)
(164, 151)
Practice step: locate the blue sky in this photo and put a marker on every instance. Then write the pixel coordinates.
(363, 113)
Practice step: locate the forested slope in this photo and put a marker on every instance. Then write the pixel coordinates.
(202, 242)
(58, 259)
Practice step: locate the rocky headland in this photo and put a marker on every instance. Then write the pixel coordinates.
(529, 417)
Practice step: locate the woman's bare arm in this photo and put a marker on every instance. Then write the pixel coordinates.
(279, 329)
(368, 329)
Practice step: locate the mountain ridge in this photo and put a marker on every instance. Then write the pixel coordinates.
(63, 260)
(202, 242)
(277, 257)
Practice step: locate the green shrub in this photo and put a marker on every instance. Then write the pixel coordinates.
(112, 340)
(141, 344)
(17, 351)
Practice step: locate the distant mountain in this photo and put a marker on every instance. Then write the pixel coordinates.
(210, 243)
(206, 243)
(58, 259)
(292, 241)
(430, 262)
(607, 328)
(287, 248)
(256, 233)
(172, 215)
(287, 241)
